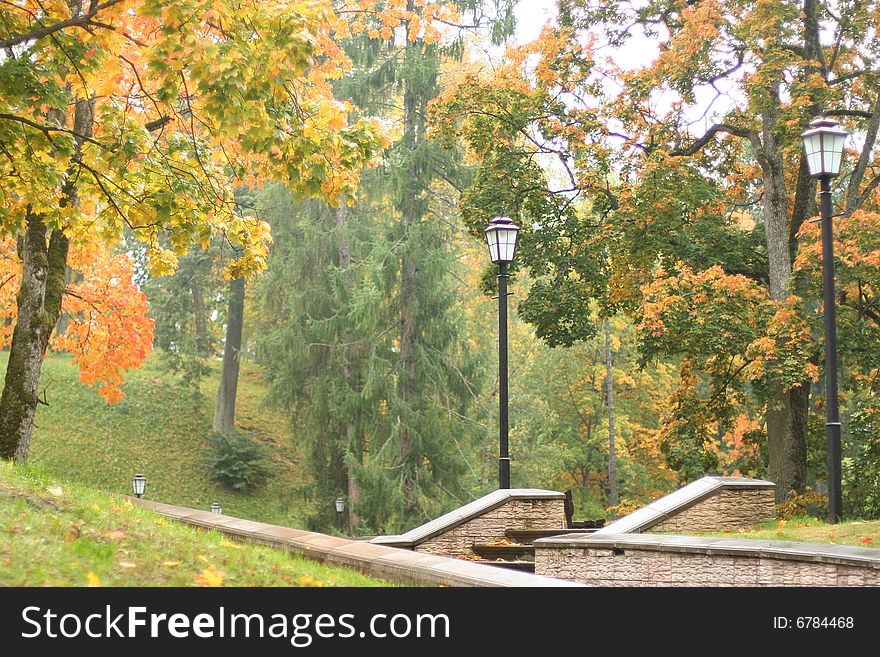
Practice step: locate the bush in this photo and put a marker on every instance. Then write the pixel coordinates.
(808, 503)
(237, 461)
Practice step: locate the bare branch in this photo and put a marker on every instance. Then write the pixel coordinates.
(710, 134)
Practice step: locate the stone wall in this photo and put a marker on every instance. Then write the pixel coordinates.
(729, 508)
(492, 525)
(687, 561)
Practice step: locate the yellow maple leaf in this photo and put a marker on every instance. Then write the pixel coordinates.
(308, 580)
(210, 577)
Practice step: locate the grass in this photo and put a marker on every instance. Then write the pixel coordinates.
(160, 428)
(864, 533)
(64, 534)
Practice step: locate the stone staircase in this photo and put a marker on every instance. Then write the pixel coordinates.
(517, 552)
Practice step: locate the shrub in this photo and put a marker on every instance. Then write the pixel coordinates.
(809, 503)
(237, 461)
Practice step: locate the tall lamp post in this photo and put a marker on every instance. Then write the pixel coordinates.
(823, 143)
(502, 236)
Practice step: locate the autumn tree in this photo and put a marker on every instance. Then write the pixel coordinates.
(145, 114)
(692, 160)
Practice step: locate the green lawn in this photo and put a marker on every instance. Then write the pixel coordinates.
(57, 533)
(865, 533)
(161, 430)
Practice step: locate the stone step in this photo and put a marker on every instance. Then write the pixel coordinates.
(527, 536)
(505, 552)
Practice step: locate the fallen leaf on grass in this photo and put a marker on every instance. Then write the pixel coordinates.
(127, 564)
(116, 507)
(93, 579)
(308, 580)
(96, 506)
(160, 521)
(230, 544)
(210, 577)
(867, 540)
(170, 564)
(55, 491)
(71, 533)
(114, 534)
(202, 558)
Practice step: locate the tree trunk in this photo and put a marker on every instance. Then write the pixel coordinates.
(352, 436)
(39, 304)
(224, 409)
(786, 411)
(609, 400)
(408, 295)
(44, 271)
(200, 315)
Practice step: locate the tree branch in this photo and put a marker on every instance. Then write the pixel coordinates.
(44, 31)
(710, 134)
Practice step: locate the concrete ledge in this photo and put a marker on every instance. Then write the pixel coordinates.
(463, 514)
(658, 560)
(668, 506)
(400, 566)
(848, 555)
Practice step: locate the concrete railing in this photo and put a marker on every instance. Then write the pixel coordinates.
(484, 520)
(401, 566)
(658, 560)
(708, 504)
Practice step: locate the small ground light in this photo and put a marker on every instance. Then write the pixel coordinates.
(340, 507)
(215, 507)
(139, 484)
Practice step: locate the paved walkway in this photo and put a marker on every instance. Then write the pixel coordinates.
(393, 564)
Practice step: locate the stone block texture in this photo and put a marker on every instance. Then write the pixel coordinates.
(729, 508)
(627, 567)
(492, 525)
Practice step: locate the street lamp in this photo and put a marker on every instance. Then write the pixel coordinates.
(215, 507)
(823, 143)
(340, 507)
(502, 235)
(139, 484)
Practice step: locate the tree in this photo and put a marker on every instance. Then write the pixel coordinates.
(144, 115)
(672, 154)
(107, 328)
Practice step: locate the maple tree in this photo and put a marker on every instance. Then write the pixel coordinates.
(141, 115)
(107, 328)
(692, 160)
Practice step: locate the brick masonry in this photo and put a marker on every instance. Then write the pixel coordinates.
(729, 508)
(696, 566)
(492, 525)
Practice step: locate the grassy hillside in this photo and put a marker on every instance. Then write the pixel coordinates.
(861, 533)
(161, 430)
(57, 533)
